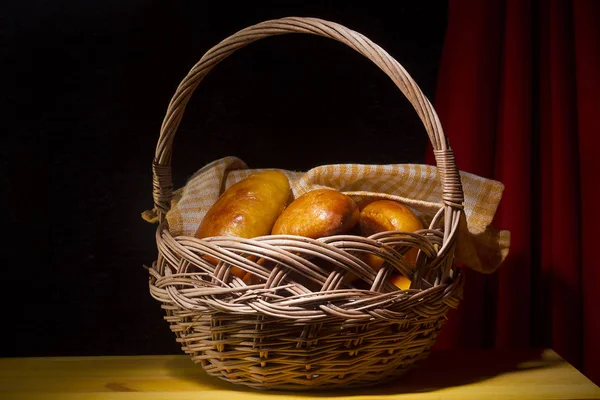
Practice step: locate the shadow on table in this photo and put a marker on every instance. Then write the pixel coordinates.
(441, 370)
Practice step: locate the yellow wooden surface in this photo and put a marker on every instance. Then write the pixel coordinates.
(487, 374)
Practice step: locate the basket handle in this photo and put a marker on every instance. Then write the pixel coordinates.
(450, 180)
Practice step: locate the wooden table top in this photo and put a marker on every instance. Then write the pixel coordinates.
(456, 374)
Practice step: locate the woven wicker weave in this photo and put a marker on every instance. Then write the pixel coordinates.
(303, 327)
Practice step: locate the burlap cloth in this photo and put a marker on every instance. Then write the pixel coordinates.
(479, 245)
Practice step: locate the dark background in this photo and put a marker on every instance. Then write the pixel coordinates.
(86, 85)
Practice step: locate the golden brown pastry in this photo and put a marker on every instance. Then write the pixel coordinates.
(388, 215)
(248, 208)
(318, 213)
(400, 281)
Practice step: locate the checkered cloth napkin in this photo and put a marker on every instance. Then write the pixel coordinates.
(479, 245)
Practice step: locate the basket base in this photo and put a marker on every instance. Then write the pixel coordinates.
(361, 341)
(308, 382)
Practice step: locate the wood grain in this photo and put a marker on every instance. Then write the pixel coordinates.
(476, 374)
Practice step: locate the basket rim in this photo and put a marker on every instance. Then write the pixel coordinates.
(170, 283)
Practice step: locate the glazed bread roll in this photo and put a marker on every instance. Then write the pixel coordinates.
(318, 213)
(247, 209)
(400, 281)
(388, 215)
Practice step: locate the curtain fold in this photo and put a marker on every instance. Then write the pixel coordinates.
(518, 93)
(586, 15)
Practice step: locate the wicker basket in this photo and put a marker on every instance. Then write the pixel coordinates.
(285, 333)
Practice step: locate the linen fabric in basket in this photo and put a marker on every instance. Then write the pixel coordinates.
(479, 245)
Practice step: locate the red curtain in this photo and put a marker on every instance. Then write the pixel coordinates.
(519, 96)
